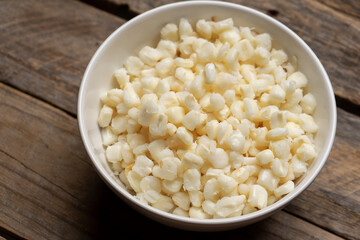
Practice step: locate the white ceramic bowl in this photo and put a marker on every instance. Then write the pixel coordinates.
(144, 30)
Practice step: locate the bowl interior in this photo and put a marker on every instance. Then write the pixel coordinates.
(145, 30)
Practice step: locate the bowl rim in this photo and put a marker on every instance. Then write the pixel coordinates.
(243, 218)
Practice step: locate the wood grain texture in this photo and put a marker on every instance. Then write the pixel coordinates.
(350, 7)
(49, 190)
(333, 35)
(45, 46)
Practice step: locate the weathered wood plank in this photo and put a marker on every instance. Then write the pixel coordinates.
(350, 7)
(46, 45)
(333, 35)
(48, 189)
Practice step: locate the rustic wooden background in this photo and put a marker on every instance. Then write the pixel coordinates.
(48, 187)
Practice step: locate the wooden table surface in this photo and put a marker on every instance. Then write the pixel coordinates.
(48, 187)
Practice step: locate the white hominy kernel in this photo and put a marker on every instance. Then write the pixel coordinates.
(198, 213)
(171, 129)
(184, 74)
(265, 157)
(131, 99)
(118, 124)
(180, 212)
(149, 84)
(184, 135)
(170, 32)
(245, 32)
(251, 108)
(121, 77)
(162, 87)
(113, 153)
(228, 205)
(114, 97)
(121, 108)
(307, 123)
(207, 52)
(164, 203)
(258, 196)
(236, 140)
(277, 133)
(226, 24)
(223, 51)
(284, 189)
(279, 167)
(105, 116)
(158, 125)
(299, 167)
(227, 184)
(192, 180)
(164, 67)
(167, 49)
(175, 114)
(108, 136)
(230, 36)
(267, 179)
(281, 148)
(223, 130)
(299, 78)
(210, 73)
(191, 160)
(166, 170)
(294, 130)
(209, 207)
(279, 56)
(182, 200)
(280, 75)
(185, 27)
(308, 103)
(245, 49)
(237, 109)
(150, 72)
(244, 189)
(240, 175)
(169, 99)
(141, 149)
(196, 198)
(278, 119)
(204, 28)
(182, 62)
(191, 120)
(212, 128)
(173, 186)
(155, 147)
(150, 183)
(306, 152)
(219, 158)
(236, 159)
(261, 56)
(211, 190)
(263, 40)
(217, 101)
(134, 180)
(151, 196)
(277, 94)
(134, 65)
(191, 103)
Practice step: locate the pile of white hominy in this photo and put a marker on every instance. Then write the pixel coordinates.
(212, 123)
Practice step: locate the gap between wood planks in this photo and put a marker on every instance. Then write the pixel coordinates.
(8, 235)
